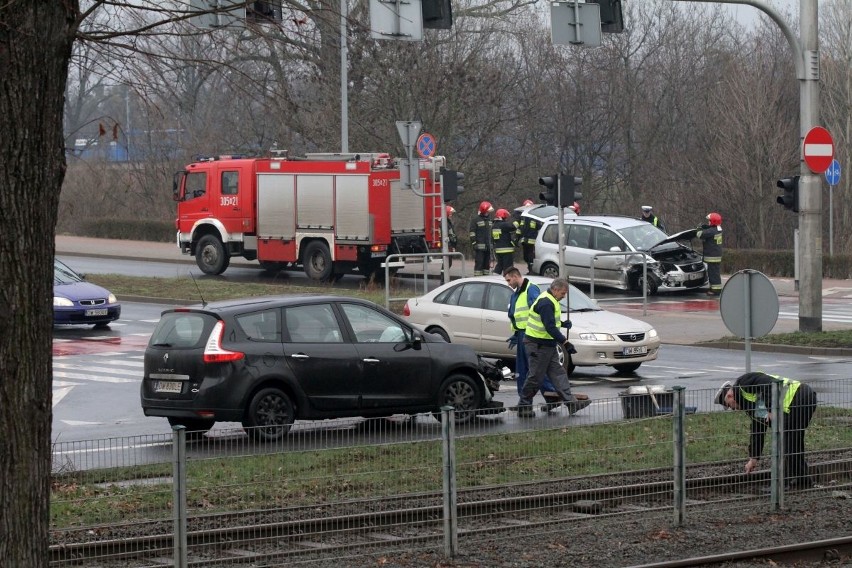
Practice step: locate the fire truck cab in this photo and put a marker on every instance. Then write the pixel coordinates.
(330, 214)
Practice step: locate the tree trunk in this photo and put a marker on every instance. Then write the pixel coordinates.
(35, 48)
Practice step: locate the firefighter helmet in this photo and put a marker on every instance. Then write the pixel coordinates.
(501, 214)
(714, 219)
(450, 210)
(528, 202)
(485, 208)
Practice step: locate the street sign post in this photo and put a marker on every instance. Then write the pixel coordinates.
(749, 307)
(832, 176)
(818, 149)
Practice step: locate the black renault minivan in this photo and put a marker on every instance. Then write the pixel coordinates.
(266, 362)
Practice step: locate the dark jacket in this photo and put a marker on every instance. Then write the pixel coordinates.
(758, 386)
(480, 233)
(502, 236)
(711, 237)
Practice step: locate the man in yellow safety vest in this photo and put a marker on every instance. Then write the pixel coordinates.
(752, 392)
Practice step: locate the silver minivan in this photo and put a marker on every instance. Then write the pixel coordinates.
(672, 265)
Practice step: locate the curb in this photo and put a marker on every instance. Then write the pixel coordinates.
(777, 348)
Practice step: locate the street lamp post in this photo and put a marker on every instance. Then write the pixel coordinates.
(809, 248)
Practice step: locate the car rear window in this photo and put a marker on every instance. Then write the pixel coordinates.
(182, 330)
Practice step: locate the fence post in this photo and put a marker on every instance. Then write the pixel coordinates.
(776, 485)
(679, 473)
(448, 435)
(179, 484)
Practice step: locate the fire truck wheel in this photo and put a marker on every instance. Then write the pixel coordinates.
(317, 261)
(210, 255)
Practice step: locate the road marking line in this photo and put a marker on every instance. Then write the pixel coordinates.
(99, 379)
(59, 394)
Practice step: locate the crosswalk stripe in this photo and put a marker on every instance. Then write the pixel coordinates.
(97, 378)
(94, 369)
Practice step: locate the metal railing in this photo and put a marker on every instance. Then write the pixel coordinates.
(425, 258)
(440, 482)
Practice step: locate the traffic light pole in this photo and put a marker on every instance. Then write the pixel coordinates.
(809, 250)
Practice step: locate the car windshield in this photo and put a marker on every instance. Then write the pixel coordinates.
(64, 275)
(643, 236)
(579, 302)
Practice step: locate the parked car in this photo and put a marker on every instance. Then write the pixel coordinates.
(473, 312)
(76, 301)
(671, 265)
(267, 362)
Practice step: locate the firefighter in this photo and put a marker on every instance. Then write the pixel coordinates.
(649, 217)
(503, 237)
(752, 392)
(525, 234)
(452, 239)
(710, 234)
(480, 239)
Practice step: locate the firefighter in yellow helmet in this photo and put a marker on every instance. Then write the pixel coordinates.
(503, 237)
(710, 234)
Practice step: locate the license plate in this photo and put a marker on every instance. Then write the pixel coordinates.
(695, 276)
(98, 312)
(635, 350)
(167, 386)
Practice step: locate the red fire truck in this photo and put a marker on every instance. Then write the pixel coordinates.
(331, 214)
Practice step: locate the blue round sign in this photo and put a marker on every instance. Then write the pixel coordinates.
(426, 145)
(832, 174)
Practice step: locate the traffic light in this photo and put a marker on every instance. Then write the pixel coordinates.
(451, 181)
(437, 14)
(569, 189)
(550, 183)
(612, 20)
(789, 198)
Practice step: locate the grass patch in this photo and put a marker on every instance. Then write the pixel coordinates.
(839, 338)
(186, 290)
(294, 478)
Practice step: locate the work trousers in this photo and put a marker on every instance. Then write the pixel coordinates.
(522, 368)
(714, 274)
(504, 260)
(796, 421)
(481, 262)
(529, 255)
(543, 361)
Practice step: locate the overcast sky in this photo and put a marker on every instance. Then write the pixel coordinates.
(749, 14)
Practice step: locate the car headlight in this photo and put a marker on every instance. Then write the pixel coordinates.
(652, 332)
(111, 299)
(596, 337)
(60, 302)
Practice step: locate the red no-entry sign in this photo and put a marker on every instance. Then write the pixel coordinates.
(818, 149)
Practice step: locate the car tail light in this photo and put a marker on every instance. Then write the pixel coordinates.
(406, 311)
(214, 352)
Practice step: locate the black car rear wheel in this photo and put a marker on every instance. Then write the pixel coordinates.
(270, 415)
(460, 392)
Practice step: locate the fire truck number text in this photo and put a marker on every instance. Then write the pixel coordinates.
(379, 182)
(229, 201)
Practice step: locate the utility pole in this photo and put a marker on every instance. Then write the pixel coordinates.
(809, 248)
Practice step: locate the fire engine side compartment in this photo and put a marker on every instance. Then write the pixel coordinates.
(276, 217)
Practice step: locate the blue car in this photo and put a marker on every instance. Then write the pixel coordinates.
(77, 302)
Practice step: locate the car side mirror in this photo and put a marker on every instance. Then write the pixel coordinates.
(615, 249)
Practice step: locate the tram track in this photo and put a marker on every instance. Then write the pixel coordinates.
(259, 536)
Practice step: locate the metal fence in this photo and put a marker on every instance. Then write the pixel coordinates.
(442, 483)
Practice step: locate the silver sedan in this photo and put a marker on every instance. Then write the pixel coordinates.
(473, 311)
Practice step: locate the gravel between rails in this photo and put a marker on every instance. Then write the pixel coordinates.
(619, 542)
